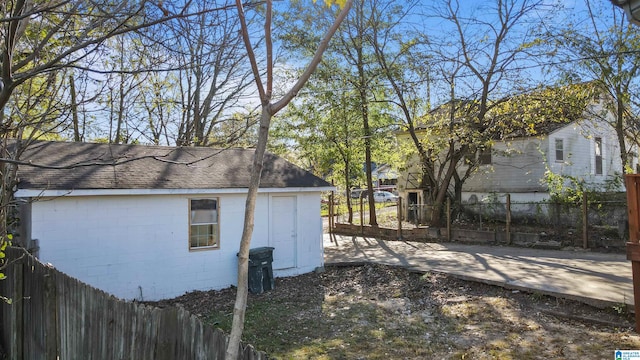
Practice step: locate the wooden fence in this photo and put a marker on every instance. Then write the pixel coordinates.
(598, 221)
(54, 316)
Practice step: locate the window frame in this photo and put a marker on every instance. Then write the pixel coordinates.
(485, 157)
(559, 150)
(215, 234)
(598, 155)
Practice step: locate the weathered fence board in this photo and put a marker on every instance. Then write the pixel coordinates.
(54, 316)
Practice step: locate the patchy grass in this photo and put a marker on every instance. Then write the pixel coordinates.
(379, 312)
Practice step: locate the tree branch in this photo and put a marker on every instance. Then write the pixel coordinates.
(250, 53)
(314, 62)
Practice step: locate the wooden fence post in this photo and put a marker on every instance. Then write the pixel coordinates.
(585, 221)
(448, 219)
(508, 219)
(399, 211)
(632, 183)
(361, 215)
(331, 213)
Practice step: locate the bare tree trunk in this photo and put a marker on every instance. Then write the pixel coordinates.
(74, 110)
(364, 108)
(347, 181)
(442, 193)
(247, 231)
(121, 93)
(373, 221)
(120, 114)
(268, 110)
(620, 132)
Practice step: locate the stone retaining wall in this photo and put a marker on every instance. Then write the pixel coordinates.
(427, 234)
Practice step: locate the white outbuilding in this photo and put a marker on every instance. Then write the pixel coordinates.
(153, 222)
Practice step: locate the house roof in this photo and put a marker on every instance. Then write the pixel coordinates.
(73, 166)
(385, 171)
(538, 112)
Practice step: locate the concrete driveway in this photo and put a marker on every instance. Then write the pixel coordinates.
(598, 279)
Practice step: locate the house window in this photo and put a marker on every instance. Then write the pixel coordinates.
(598, 153)
(559, 150)
(484, 158)
(204, 229)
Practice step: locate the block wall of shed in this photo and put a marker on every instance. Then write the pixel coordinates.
(136, 247)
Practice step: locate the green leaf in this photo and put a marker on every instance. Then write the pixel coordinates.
(329, 3)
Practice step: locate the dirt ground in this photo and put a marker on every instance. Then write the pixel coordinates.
(381, 312)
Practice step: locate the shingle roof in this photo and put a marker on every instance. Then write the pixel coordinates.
(537, 112)
(106, 166)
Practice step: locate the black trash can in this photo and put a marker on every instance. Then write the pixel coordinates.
(261, 270)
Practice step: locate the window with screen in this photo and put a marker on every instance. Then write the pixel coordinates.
(559, 150)
(204, 229)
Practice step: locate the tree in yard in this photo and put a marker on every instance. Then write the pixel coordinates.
(212, 77)
(315, 130)
(122, 89)
(481, 59)
(352, 70)
(268, 109)
(353, 46)
(175, 83)
(601, 47)
(40, 41)
(324, 131)
(238, 129)
(159, 107)
(81, 96)
(404, 61)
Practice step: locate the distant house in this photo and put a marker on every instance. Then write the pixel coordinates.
(385, 177)
(585, 148)
(153, 222)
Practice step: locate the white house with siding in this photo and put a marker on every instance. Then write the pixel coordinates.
(153, 222)
(586, 150)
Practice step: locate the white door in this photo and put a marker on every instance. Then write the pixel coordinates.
(283, 231)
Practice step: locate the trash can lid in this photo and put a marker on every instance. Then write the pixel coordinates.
(263, 249)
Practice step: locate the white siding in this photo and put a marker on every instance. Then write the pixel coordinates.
(519, 166)
(136, 247)
(580, 152)
(515, 167)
